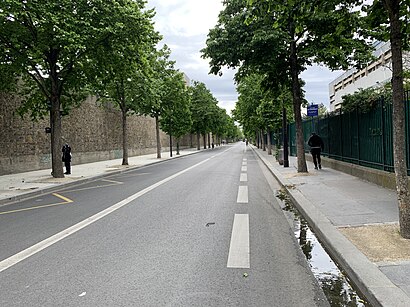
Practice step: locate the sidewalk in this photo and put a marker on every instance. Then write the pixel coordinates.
(25, 185)
(357, 222)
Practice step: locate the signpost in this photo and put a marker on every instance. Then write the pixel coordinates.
(313, 110)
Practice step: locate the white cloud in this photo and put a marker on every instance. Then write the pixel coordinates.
(186, 17)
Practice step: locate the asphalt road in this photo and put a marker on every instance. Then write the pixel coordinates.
(202, 230)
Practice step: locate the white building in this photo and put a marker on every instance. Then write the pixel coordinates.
(375, 74)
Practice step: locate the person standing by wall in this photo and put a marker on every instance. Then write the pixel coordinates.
(316, 146)
(67, 158)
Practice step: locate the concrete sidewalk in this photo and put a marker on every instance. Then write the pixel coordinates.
(357, 222)
(25, 185)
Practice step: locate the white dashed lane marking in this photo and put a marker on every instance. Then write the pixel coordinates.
(242, 195)
(244, 177)
(239, 253)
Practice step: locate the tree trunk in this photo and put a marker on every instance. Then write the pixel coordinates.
(399, 141)
(209, 139)
(55, 122)
(198, 140)
(55, 118)
(285, 139)
(158, 139)
(263, 140)
(178, 153)
(257, 139)
(269, 142)
(204, 137)
(124, 138)
(297, 102)
(170, 145)
(191, 142)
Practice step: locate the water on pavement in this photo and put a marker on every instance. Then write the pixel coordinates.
(334, 283)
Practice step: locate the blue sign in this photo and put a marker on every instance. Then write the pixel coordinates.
(313, 110)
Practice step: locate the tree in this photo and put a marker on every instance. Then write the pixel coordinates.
(49, 46)
(271, 116)
(260, 105)
(202, 103)
(221, 126)
(281, 39)
(249, 99)
(388, 16)
(363, 100)
(162, 71)
(232, 130)
(176, 117)
(122, 72)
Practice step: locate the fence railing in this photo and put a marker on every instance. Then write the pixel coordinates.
(362, 138)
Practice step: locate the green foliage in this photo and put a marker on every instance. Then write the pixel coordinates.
(55, 48)
(234, 42)
(52, 45)
(161, 76)
(207, 116)
(257, 35)
(365, 100)
(378, 25)
(176, 116)
(260, 107)
(203, 106)
(122, 66)
(280, 39)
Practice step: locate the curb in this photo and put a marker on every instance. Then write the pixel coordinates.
(59, 186)
(372, 283)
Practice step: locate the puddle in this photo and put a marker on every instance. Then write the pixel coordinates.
(333, 281)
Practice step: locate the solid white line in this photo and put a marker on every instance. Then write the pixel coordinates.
(9, 262)
(239, 253)
(244, 169)
(244, 177)
(242, 195)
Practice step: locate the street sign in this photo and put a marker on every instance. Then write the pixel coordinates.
(313, 110)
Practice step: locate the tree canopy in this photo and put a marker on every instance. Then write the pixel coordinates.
(51, 46)
(280, 39)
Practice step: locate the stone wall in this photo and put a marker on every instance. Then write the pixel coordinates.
(93, 132)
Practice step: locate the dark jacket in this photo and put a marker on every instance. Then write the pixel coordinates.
(66, 153)
(315, 141)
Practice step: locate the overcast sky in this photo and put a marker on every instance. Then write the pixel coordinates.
(184, 25)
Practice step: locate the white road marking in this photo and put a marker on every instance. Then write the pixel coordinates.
(244, 177)
(244, 163)
(242, 195)
(112, 181)
(244, 159)
(239, 253)
(244, 169)
(9, 262)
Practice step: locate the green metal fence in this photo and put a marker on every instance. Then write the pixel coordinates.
(362, 138)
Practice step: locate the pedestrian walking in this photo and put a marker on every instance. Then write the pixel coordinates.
(316, 146)
(67, 158)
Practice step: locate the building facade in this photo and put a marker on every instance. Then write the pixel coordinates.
(375, 74)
